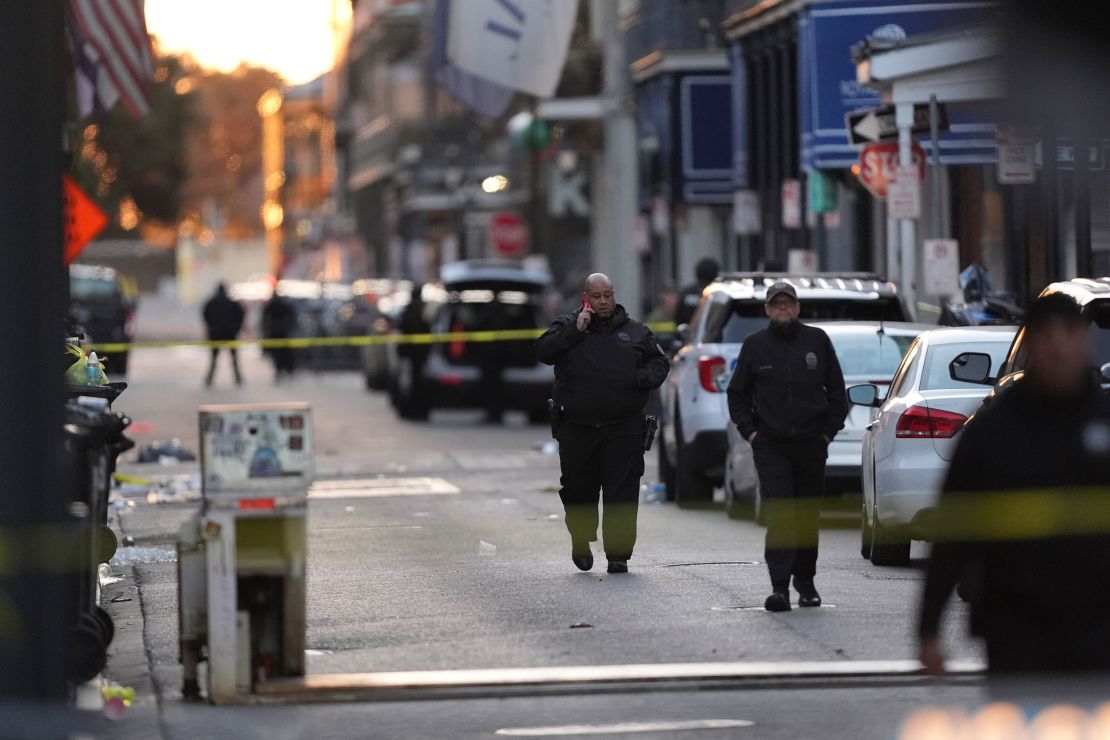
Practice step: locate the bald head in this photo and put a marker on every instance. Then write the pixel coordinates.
(600, 295)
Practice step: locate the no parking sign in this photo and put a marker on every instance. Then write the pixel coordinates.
(942, 267)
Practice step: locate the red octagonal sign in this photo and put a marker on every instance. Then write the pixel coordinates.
(879, 162)
(508, 234)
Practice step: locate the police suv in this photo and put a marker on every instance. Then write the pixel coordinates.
(693, 421)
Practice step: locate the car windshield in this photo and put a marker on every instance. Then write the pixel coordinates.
(936, 375)
(871, 354)
(492, 306)
(93, 289)
(747, 316)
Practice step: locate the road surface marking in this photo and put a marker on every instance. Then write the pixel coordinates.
(618, 728)
(380, 487)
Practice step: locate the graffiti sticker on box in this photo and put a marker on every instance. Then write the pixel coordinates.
(255, 447)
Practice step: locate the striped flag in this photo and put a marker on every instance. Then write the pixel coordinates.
(112, 55)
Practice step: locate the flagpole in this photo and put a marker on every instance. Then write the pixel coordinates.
(36, 609)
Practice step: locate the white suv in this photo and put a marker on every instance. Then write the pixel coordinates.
(693, 421)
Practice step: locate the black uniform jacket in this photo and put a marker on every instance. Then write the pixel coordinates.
(603, 374)
(1024, 520)
(788, 385)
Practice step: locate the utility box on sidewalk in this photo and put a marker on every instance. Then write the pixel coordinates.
(241, 561)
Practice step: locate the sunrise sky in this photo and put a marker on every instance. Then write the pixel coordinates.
(295, 38)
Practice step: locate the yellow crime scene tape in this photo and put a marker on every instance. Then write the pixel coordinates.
(505, 335)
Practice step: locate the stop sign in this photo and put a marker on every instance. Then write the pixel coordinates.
(879, 162)
(508, 234)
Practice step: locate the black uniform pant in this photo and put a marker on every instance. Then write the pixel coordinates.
(609, 459)
(792, 484)
(234, 365)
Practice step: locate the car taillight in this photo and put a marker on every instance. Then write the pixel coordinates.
(129, 325)
(921, 422)
(709, 367)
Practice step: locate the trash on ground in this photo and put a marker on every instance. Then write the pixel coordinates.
(161, 452)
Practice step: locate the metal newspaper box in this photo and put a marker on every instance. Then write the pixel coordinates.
(242, 561)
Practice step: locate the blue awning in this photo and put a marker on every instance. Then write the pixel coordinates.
(827, 77)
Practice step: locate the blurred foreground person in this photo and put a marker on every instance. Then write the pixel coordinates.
(1024, 514)
(223, 318)
(787, 398)
(278, 321)
(605, 365)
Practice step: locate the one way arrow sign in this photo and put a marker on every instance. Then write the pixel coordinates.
(879, 124)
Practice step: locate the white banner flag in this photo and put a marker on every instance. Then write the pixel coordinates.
(520, 44)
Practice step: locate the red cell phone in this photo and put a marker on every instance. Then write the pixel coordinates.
(585, 302)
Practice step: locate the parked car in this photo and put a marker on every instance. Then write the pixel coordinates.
(912, 436)
(102, 303)
(388, 298)
(869, 352)
(693, 438)
(477, 295)
(1093, 298)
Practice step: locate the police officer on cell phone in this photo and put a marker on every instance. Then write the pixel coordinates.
(605, 365)
(787, 398)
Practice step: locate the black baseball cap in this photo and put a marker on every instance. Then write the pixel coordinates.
(779, 288)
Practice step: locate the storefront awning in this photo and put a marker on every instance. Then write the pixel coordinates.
(829, 89)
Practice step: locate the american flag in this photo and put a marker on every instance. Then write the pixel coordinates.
(112, 55)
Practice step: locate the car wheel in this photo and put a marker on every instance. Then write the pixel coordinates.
(864, 533)
(666, 470)
(693, 487)
(887, 548)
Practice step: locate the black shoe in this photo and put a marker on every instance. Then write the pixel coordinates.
(779, 601)
(807, 593)
(583, 562)
(617, 565)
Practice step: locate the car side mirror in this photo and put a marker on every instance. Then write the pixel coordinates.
(721, 381)
(971, 367)
(864, 395)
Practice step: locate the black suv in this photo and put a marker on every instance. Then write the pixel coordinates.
(102, 304)
(477, 295)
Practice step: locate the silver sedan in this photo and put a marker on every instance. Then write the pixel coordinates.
(912, 436)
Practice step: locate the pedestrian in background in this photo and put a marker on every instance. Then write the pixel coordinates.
(665, 307)
(705, 271)
(605, 365)
(1024, 513)
(279, 318)
(223, 319)
(787, 399)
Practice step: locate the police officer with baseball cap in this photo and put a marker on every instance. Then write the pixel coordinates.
(787, 399)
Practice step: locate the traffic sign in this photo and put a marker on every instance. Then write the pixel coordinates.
(82, 219)
(508, 234)
(877, 164)
(879, 124)
(942, 267)
(903, 193)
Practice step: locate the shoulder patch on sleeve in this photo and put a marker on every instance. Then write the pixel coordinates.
(660, 349)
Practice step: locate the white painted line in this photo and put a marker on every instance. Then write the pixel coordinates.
(619, 728)
(381, 487)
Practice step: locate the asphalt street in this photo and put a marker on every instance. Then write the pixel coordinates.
(441, 546)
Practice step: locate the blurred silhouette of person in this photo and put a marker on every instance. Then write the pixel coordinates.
(706, 271)
(279, 318)
(1022, 517)
(664, 311)
(223, 319)
(413, 321)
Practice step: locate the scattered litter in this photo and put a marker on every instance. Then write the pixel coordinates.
(141, 427)
(550, 447)
(509, 501)
(348, 509)
(119, 598)
(421, 514)
(165, 453)
(553, 517)
(657, 494)
(580, 626)
(128, 541)
(486, 549)
(549, 489)
(132, 555)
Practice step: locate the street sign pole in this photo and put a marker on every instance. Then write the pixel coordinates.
(36, 608)
(934, 136)
(907, 229)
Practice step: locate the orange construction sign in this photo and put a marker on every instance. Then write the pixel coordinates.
(82, 218)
